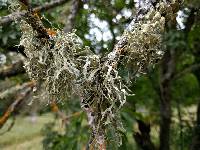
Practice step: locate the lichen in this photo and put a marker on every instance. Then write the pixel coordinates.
(67, 67)
(145, 41)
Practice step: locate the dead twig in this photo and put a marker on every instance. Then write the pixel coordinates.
(10, 126)
(19, 98)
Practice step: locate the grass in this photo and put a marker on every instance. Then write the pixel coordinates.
(33, 144)
(25, 135)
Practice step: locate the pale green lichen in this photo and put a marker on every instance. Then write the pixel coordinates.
(145, 41)
(66, 67)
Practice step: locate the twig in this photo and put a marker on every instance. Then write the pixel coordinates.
(73, 115)
(10, 18)
(10, 126)
(61, 114)
(20, 97)
(34, 21)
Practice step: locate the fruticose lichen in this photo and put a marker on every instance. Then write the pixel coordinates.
(67, 67)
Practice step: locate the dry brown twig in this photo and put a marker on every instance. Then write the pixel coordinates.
(27, 88)
(9, 127)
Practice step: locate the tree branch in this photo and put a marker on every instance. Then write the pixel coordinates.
(62, 115)
(12, 70)
(27, 88)
(10, 126)
(10, 18)
(16, 89)
(166, 74)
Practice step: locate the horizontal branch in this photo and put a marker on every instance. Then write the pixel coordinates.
(16, 89)
(10, 18)
(12, 70)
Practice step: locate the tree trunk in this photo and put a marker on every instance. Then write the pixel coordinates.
(167, 71)
(196, 137)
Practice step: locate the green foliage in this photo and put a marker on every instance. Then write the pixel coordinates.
(181, 136)
(187, 83)
(74, 137)
(193, 38)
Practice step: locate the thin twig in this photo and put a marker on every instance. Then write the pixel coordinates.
(62, 115)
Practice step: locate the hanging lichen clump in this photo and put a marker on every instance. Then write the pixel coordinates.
(66, 67)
